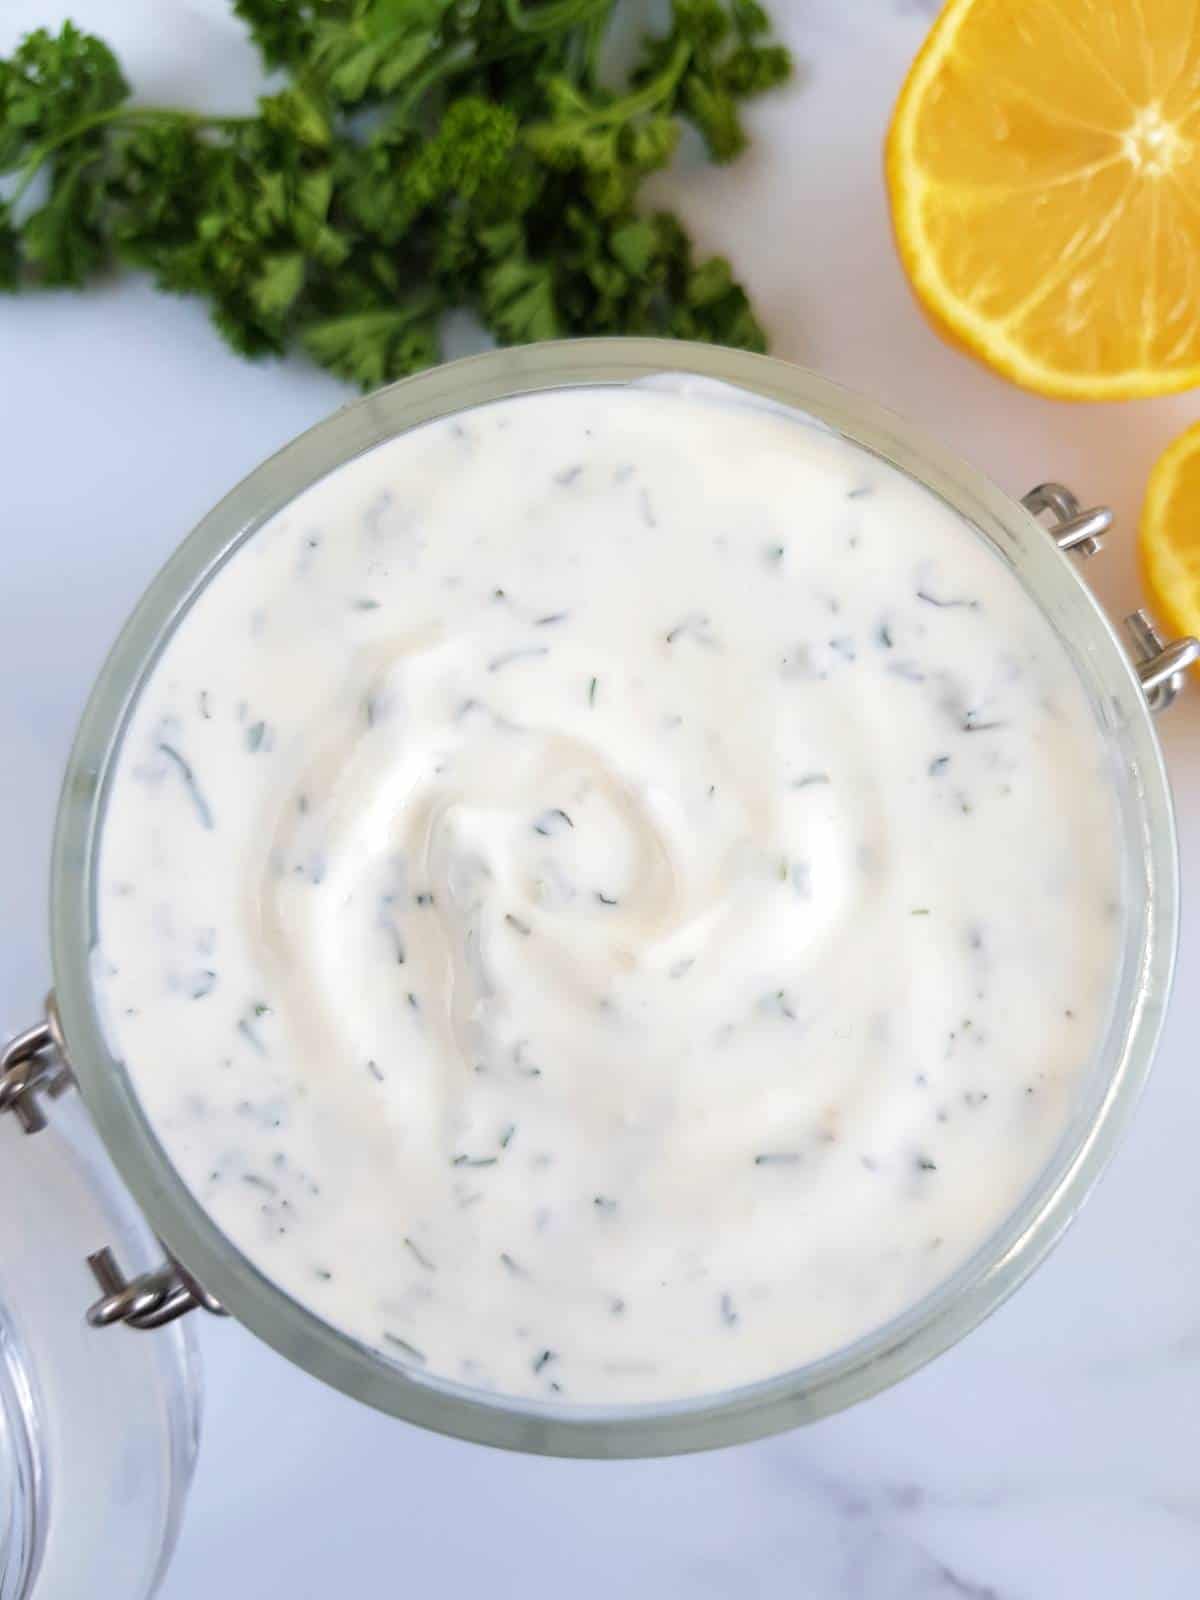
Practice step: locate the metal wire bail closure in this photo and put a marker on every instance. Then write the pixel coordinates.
(32, 1063)
(1161, 667)
(148, 1301)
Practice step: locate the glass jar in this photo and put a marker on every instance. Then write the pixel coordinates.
(1119, 692)
(98, 1434)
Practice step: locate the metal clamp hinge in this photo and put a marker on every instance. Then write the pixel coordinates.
(1161, 667)
(150, 1300)
(1073, 527)
(34, 1063)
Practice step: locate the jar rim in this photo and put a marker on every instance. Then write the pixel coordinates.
(871, 1362)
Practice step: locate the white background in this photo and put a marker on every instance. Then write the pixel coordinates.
(1055, 1453)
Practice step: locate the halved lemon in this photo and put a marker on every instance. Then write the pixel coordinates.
(1043, 166)
(1169, 535)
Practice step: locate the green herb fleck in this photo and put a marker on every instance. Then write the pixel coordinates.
(404, 1347)
(548, 824)
(779, 1001)
(420, 1256)
(199, 803)
(507, 657)
(248, 1032)
(944, 604)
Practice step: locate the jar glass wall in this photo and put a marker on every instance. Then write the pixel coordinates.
(1000, 1262)
(98, 1427)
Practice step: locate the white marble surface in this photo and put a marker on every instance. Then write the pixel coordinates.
(1054, 1453)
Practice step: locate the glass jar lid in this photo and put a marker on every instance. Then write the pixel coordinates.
(98, 1433)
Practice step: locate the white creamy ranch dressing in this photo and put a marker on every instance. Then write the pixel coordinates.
(610, 896)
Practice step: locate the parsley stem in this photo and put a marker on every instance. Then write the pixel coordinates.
(654, 92)
(645, 99)
(460, 57)
(553, 16)
(99, 119)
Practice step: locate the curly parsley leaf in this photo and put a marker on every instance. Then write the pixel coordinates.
(64, 240)
(53, 83)
(424, 155)
(374, 347)
(728, 62)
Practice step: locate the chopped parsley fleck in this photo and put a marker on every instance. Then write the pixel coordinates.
(405, 1347)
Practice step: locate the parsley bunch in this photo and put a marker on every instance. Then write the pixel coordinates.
(425, 155)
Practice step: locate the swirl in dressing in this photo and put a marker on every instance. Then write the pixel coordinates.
(610, 896)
